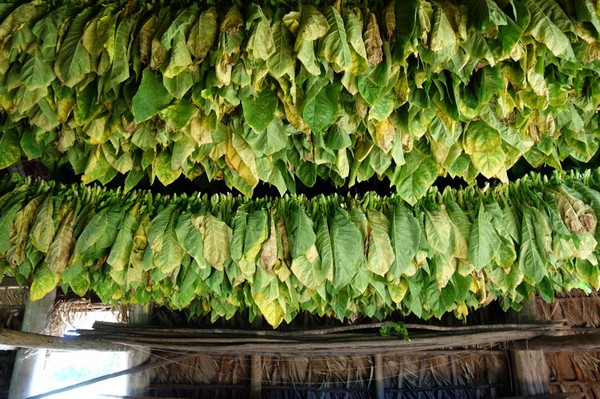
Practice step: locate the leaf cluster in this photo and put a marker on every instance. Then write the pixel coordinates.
(337, 256)
(277, 92)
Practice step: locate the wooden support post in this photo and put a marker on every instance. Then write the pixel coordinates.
(255, 377)
(531, 374)
(379, 386)
(139, 383)
(37, 315)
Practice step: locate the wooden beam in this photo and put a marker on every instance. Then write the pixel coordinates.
(18, 339)
(567, 343)
(379, 378)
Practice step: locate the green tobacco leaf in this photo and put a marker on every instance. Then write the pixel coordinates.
(483, 143)
(203, 34)
(217, 239)
(321, 111)
(162, 240)
(45, 281)
(60, 250)
(334, 47)
(281, 62)
(272, 140)
(98, 235)
(73, 62)
(189, 235)
(301, 233)
(485, 15)
(406, 239)
(120, 253)
(438, 230)
(259, 109)
(406, 23)
(180, 58)
(483, 241)
(265, 292)
(380, 255)
(313, 25)
(442, 34)
(413, 179)
(347, 248)
(151, 97)
(37, 73)
(260, 44)
(549, 24)
(10, 149)
(531, 260)
(257, 231)
(15, 224)
(42, 227)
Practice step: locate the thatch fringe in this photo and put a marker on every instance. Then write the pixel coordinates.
(576, 307)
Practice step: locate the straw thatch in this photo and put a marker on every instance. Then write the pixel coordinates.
(577, 308)
(574, 371)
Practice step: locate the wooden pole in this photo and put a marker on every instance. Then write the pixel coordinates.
(255, 377)
(18, 339)
(139, 383)
(531, 374)
(35, 319)
(379, 386)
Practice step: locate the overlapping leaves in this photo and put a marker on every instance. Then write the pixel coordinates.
(336, 256)
(272, 94)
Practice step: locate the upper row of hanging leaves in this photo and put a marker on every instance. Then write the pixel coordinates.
(338, 256)
(410, 91)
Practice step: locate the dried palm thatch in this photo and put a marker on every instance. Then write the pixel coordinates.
(12, 296)
(70, 314)
(576, 307)
(204, 369)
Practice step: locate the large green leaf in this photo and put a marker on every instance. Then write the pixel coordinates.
(73, 62)
(483, 241)
(162, 240)
(203, 34)
(151, 97)
(549, 24)
(334, 47)
(259, 109)
(321, 110)
(347, 248)
(217, 241)
(301, 232)
(42, 227)
(380, 255)
(281, 62)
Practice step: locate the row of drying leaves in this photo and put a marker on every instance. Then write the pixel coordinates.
(335, 256)
(410, 91)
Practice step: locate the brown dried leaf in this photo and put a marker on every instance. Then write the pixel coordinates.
(268, 251)
(233, 20)
(373, 42)
(389, 20)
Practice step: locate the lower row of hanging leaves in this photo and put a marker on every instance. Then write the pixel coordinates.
(335, 256)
